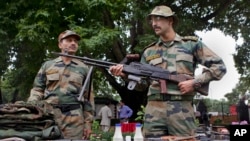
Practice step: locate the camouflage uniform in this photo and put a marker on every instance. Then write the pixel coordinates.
(175, 116)
(60, 85)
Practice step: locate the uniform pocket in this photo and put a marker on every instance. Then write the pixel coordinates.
(75, 83)
(184, 57)
(184, 63)
(52, 81)
(53, 77)
(76, 79)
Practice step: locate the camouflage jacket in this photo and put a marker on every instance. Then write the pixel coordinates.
(57, 83)
(181, 56)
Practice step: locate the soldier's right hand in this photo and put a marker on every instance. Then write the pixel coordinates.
(116, 70)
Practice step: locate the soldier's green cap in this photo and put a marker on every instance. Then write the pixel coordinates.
(163, 11)
(68, 33)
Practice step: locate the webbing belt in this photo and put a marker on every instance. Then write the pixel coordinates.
(167, 97)
(67, 107)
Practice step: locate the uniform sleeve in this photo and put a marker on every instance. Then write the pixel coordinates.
(39, 85)
(214, 69)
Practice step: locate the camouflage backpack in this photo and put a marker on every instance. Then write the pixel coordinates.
(28, 121)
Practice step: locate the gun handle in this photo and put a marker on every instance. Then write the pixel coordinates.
(163, 84)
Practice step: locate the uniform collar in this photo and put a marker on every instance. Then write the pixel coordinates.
(168, 44)
(75, 61)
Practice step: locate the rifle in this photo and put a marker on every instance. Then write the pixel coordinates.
(88, 78)
(137, 70)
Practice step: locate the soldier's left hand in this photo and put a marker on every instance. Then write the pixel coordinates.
(87, 133)
(186, 86)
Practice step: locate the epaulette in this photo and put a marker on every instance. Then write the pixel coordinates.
(188, 38)
(152, 44)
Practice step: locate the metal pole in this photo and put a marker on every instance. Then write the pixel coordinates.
(222, 110)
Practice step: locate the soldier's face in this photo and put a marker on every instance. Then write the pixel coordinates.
(160, 24)
(69, 45)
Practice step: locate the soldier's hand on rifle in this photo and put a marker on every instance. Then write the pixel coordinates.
(186, 86)
(116, 70)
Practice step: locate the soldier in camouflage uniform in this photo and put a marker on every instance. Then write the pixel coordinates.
(171, 113)
(59, 83)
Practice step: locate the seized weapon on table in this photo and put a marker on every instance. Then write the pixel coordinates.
(136, 70)
(170, 138)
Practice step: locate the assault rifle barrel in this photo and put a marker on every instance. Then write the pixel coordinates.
(88, 61)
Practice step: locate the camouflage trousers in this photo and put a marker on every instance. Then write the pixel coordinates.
(71, 123)
(163, 118)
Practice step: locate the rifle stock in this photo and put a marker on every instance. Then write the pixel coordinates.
(136, 70)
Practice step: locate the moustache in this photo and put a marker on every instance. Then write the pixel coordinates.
(156, 27)
(72, 47)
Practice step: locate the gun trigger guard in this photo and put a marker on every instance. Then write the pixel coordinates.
(131, 85)
(133, 80)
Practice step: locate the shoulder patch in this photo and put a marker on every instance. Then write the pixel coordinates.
(152, 44)
(192, 38)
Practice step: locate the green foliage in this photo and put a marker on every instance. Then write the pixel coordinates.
(98, 134)
(218, 121)
(140, 114)
(196, 121)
